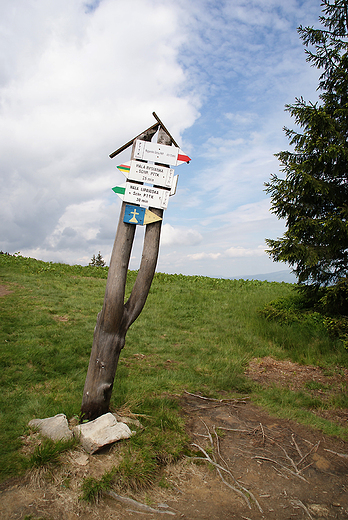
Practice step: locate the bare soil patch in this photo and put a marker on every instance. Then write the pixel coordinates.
(268, 371)
(314, 381)
(4, 291)
(270, 468)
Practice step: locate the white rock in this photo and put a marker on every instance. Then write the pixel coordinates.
(102, 431)
(56, 428)
(81, 459)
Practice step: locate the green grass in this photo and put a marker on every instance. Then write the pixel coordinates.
(195, 333)
(48, 452)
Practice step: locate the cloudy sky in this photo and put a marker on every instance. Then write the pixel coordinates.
(80, 78)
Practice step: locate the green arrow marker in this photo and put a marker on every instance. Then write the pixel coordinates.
(119, 189)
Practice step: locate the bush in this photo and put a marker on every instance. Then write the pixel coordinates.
(338, 327)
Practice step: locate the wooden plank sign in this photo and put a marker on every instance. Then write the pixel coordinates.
(143, 195)
(150, 173)
(174, 185)
(137, 215)
(162, 153)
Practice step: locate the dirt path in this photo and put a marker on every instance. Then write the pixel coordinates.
(280, 469)
(291, 470)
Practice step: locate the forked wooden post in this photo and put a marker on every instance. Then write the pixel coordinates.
(116, 316)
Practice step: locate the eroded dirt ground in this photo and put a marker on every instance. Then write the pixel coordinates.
(269, 468)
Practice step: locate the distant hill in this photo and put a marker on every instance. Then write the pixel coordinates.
(278, 276)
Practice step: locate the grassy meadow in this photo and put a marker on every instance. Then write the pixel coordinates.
(195, 333)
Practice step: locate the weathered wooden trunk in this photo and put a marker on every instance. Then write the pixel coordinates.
(116, 316)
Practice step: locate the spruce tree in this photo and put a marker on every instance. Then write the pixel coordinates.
(97, 261)
(313, 197)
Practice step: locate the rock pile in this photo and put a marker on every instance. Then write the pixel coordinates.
(93, 435)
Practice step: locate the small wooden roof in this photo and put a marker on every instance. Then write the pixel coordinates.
(153, 127)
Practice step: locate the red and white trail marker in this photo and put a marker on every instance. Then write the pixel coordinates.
(162, 153)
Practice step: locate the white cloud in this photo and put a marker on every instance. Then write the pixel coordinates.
(218, 146)
(200, 256)
(83, 83)
(240, 252)
(74, 85)
(78, 219)
(242, 118)
(79, 79)
(252, 212)
(179, 236)
(232, 252)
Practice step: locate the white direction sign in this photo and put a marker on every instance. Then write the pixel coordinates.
(143, 195)
(148, 151)
(146, 195)
(150, 173)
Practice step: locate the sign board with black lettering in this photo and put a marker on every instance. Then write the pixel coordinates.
(162, 153)
(149, 173)
(143, 195)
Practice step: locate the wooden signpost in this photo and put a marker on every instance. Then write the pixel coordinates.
(116, 316)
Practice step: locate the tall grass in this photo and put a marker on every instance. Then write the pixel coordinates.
(195, 333)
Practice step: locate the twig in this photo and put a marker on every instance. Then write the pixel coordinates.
(249, 432)
(236, 490)
(218, 445)
(296, 446)
(308, 442)
(219, 467)
(282, 466)
(215, 405)
(296, 466)
(235, 430)
(209, 436)
(209, 459)
(301, 504)
(205, 398)
(343, 455)
(289, 458)
(223, 460)
(263, 434)
(308, 466)
(238, 484)
(314, 447)
(223, 469)
(139, 505)
(280, 473)
(217, 400)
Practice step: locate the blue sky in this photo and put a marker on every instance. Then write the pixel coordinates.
(79, 79)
